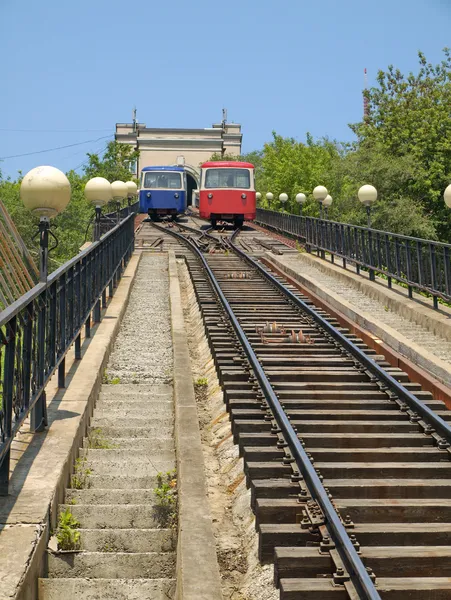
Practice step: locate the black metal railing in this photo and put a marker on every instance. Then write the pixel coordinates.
(110, 219)
(419, 264)
(38, 329)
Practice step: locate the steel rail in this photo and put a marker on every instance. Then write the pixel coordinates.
(397, 388)
(351, 560)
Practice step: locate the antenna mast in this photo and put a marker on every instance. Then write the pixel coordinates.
(223, 126)
(365, 99)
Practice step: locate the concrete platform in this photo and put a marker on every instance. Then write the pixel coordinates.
(410, 328)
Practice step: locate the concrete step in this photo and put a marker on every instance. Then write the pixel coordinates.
(106, 589)
(156, 425)
(156, 444)
(128, 431)
(127, 540)
(140, 466)
(139, 411)
(138, 402)
(126, 456)
(108, 565)
(120, 482)
(153, 390)
(110, 496)
(120, 516)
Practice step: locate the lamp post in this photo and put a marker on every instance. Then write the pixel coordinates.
(45, 191)
(269, 198)
(283, 199)
(320, 194)
(301, 199)
(327, 203)
(258, 197)
(120, 192)
(132, 192)
(367, 195)
(98, 191)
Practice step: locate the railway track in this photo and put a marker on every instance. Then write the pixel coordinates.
(346, 459)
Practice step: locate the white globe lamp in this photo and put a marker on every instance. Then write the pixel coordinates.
(98, 191)
(447, 196)
(367, 195)
(45, 191)
(119, 190)
(320, 194)
(132, 189)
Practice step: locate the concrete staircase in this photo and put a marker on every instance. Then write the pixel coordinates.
(125, 553)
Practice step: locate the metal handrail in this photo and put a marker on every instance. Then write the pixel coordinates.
(424, 265)
(37, 331)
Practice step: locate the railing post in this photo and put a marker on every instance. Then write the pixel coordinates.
(388, 258)
(62, 311)
(433, 274)
(27, 354)
(357, 257)
(447, 270)
(78, 347)
(38, 418)
(409, 268)
(8, 388)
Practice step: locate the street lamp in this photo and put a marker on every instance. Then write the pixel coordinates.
(98, 191)
(301, 199)
(327, 202)
(120, 192)
(283, 198)
(258, 197)
(320, 194)
(447, 196)
(270, 198)
(132, 192)
(367, 195)
(45, 191)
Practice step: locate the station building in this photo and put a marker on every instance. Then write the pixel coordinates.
(180, 147)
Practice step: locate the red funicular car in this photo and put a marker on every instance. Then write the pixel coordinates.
(227, 192)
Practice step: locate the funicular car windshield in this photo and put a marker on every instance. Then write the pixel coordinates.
(227, 178)
(162, 180)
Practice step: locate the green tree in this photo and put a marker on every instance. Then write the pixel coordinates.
(116, 163)
(292, 167)
(409, 118)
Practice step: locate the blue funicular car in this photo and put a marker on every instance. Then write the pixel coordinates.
(163, 191)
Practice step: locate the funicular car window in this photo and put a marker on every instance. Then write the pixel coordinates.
(227, 178)
(167, 180)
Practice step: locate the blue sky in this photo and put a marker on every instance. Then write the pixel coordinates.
(71, 70)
